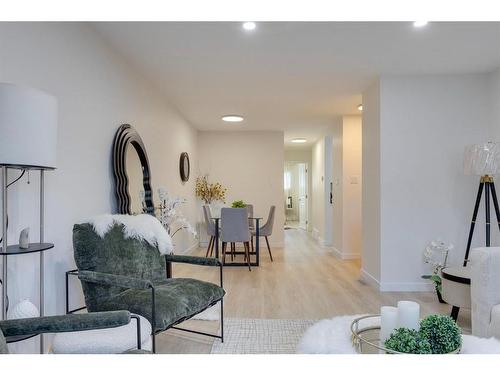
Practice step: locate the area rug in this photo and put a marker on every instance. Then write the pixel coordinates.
(290, 336)
(261, 336)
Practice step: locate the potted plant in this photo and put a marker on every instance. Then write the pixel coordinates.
(438, 334)
(436, 255)
(238, 204)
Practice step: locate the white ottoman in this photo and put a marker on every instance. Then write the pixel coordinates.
(456, 286)
(333, 336)
(103, 341)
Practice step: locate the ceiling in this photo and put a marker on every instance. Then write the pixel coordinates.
(298, 77)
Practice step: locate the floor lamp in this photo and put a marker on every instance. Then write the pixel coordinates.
(28, 142)
(482, 160)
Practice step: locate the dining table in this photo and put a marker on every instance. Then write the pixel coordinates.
(256, 263)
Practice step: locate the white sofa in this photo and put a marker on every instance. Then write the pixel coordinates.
(485, 291)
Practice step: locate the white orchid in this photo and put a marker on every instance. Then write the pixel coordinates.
(436, 254)
(171, 217)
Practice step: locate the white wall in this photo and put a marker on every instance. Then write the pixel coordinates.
(425, 123)
(338, 196)
(352, 185)
(370, 261)
(250, 165)
(318, 191)
(97, 91)
(494, 79)
(303, 156)
(495, 103)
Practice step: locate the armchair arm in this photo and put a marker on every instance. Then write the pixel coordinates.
(64, 323)
(200, 261)
(485, 294)
(114, 280)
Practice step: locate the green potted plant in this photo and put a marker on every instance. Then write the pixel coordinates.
(442, 332)
(238, 204)
(437, 334)
(408, 341)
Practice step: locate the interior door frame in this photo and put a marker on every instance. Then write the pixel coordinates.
(308, 189)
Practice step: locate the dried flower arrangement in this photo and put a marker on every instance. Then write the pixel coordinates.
(209, 192)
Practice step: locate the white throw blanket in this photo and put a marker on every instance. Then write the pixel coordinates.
(142, 227)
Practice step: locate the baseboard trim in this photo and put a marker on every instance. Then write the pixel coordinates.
(344, 256)
(350, 256)
(336, 252)
(189, 250)
(406, 287)
(369, 279)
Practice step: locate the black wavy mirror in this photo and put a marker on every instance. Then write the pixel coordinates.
(132, 173)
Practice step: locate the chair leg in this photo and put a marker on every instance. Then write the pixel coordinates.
(251, 242)
(213, 246)
(269, 249)
(222, 320)
(224, 244)
(209, 246)
(232, 251)
(247, 253)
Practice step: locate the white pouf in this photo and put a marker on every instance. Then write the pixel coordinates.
(103, 341)
(456, 286)
(333, 336)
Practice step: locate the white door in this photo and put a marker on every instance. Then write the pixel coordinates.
(302, 167)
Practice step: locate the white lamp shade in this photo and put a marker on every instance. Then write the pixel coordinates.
(482, 159)
(28, 127)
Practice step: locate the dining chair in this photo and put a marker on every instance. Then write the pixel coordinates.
(210, 229)
(267, 229)
(234, 229)
(249, 208)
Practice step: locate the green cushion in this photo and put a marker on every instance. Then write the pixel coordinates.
(175, 300)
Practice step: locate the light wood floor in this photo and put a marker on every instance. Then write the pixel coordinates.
(305, 281)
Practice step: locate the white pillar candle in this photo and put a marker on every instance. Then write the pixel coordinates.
(409, 315)
(388, 322)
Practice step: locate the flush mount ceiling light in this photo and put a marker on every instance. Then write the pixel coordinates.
(299, 140)
(420, 23)
(360, 107)
(232, 118)
(249, 26)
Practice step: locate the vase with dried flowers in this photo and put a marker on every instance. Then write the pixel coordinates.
(209, 192)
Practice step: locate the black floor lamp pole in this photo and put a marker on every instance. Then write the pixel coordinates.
(486, 183)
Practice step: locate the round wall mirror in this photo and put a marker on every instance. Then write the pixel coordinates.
(184, 167)
(132, 173)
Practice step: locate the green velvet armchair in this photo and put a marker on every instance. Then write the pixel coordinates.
(119, 273)
(62, 323)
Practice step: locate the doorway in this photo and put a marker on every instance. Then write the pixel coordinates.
(296, 195)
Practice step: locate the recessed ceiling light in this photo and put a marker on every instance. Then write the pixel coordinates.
(232, 118)
(299, 140)
(360, 107)
(249, 26)
(420, 23)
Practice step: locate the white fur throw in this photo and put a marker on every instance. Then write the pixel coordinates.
(142, 227)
